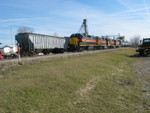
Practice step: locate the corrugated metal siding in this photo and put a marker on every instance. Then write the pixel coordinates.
(46, 42)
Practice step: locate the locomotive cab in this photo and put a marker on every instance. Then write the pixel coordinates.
(74, 41)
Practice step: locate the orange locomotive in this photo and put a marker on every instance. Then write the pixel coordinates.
(80, 42)
(83, 41)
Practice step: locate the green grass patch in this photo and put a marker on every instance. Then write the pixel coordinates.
(98, 83)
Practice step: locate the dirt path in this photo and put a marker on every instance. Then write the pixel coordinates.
(83, 91)
(142, 72)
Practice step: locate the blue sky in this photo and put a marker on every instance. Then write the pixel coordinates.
(64, 17)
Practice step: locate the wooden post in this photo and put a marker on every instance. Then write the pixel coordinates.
(19, 53)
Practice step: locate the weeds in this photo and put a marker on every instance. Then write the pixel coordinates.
(96, 83)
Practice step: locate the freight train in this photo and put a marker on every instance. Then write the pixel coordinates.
(80, 42)
(84, 41)
(32, 43)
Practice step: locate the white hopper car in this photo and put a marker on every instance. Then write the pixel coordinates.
(32, 43)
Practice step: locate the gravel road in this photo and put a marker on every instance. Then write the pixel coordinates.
(142, 72)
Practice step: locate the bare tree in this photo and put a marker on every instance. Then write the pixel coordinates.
(135, 40)
(121, 38)
(55, 34)
(25, 29)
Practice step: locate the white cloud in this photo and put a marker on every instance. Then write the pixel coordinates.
(66, 18)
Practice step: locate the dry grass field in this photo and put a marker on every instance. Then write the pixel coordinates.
(95, 83)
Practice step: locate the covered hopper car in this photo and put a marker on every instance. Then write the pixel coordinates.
(32, 43)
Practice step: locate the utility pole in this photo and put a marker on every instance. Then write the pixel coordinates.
(19, 53)
(11, 35)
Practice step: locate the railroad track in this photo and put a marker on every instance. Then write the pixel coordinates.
(5, 64)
